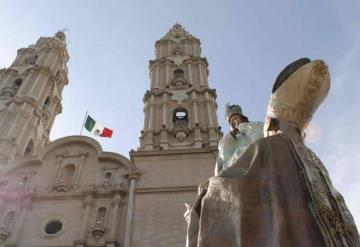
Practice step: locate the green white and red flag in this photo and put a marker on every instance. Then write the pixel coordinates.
(96, 128)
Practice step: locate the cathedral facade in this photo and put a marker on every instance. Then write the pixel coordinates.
(69, 192)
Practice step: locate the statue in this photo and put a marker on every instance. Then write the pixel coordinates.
(241, 135)
(277, 192)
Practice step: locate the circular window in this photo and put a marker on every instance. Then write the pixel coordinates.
(53, 226)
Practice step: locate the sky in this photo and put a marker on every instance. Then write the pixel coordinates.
(247, 43)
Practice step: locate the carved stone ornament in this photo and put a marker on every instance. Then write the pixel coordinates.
(178, 51)
(181, 132)
(177, 33)
(9, 91)
(31, 59)
(134, 174)
(61, 186)
(181, 135)
(179, 96)
(179, 82)
(98, 231)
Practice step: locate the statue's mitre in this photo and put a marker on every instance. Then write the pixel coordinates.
(298, 91)
(232, 110)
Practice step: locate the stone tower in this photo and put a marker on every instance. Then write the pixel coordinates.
(180, 108)
(30, 97)
(178, 145)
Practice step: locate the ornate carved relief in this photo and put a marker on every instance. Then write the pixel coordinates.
(31, 59)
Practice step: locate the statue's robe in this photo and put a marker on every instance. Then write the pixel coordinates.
(278, 193)
(230, 147)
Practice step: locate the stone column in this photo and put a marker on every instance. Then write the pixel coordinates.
(116, 203)
(196, 117)
(190, 73)
(149, 145)
(88, 203)
(169, 49)
(163, 134)
(167, 74)
(202, 84)
(164, 116)
(151, 117)
(209, 111)
(58, 162)
(133, 176)
(197, 131)
(76, 179)
(157, 76)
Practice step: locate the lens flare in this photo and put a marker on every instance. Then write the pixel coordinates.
(313, 133)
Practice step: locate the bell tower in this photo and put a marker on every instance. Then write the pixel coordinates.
(30, 96)
(180, 108)
(178, 145)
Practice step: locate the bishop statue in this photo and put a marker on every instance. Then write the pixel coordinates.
(274, 191)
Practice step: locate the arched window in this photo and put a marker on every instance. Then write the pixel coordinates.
(9, 219)
(107, 178)
(178, 73)
(29, 148)
(101, 216)
(67, 174)
(180, 116)
(18, 82)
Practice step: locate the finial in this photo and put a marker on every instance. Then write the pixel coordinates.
(177, 27)
(177, 32)
(61, 34)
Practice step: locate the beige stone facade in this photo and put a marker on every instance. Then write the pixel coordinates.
(70, 192)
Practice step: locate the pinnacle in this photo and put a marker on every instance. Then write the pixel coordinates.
(60, 35)
(178, 32)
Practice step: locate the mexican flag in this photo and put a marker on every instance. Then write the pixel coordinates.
(97, 129)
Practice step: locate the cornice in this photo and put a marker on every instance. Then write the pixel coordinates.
(166, 189)
(160, 92)
(187, 60)
(141, 153)
(163, 60)
(182, 40)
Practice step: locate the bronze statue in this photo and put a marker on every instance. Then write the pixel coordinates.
(277, 192)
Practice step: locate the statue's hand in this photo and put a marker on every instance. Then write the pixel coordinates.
(234, 132)
(188, 212)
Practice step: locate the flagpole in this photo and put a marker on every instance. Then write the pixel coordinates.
(82, 126)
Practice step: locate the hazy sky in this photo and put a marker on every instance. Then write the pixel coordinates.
(247, 43)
